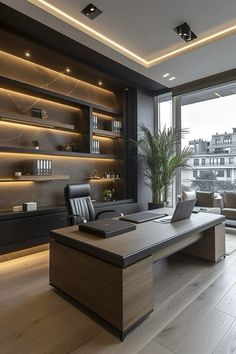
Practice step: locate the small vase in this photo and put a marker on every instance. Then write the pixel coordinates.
(107, 199)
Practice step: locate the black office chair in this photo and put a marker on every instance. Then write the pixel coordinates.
(79, 204)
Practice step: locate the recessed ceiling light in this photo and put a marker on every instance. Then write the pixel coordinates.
(100, 83)
(27, 54)
(185, 32)
(172, 78)
(166, 75)
(91, 11)
(68, 70)
(217, 94)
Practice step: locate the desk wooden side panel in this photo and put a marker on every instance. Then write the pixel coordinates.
(211, 246)
(138, 291)
(119, 296)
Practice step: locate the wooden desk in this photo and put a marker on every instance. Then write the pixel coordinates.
(113, 277)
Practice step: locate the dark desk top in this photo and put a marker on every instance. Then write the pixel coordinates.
(128, 248)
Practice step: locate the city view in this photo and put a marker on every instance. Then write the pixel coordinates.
(212, 137)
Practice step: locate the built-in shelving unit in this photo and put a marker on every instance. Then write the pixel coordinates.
(65, 113)
(46, 125)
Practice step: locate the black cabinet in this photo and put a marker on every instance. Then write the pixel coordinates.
(23, 230)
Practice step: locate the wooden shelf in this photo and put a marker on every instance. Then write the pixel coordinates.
(102, 179)
(19, 150)
(45, 94)
(106, 134)
(42, 178)
(106, 115)
(39, 122)
(35, 178)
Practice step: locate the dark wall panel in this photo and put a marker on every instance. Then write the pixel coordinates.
(145, 104)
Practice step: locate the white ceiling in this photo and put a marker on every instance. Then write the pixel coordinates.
(146, 28)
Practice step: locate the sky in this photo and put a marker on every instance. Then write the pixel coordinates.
(204, 118)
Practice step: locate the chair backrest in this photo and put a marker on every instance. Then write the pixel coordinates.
(229, 198)
(204, 199)
(78, 202)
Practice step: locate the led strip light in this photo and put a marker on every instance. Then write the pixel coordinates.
(45, 5)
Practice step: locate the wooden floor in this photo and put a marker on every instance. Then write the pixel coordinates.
(195, 312)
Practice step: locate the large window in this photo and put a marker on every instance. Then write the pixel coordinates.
(165, 120)
(165, 111)
(211, 122)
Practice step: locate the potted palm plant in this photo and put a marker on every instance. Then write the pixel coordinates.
(161, 155)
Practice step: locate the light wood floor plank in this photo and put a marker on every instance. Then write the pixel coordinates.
(228, 343)
(21, 278)
(189, 318)
(205, 337)
(154, 348)
(181, 271)
(45, 324)
(228, 303)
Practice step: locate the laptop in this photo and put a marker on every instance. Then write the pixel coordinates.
(182, 211)
(141, 217)
(107, 227)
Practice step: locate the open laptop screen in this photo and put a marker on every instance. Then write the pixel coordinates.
(182, 211)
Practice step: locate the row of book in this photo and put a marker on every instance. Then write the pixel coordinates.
(95, 121)
(38, 167)
(115, 126)
(95, 146)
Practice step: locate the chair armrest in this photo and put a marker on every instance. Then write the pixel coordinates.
(76, 219)
(107, 211)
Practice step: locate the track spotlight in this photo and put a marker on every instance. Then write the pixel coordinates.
(91, 11)
(185, 32)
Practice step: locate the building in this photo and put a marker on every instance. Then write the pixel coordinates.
(212, 159)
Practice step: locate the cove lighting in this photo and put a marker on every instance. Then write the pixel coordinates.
(45, 5)
(8, 122)
(12, 182)
(42, 155)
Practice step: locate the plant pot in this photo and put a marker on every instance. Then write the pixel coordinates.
(152, 206)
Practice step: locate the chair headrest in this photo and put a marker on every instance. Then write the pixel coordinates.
(77, 190)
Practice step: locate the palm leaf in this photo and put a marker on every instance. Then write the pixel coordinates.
(161, 155)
